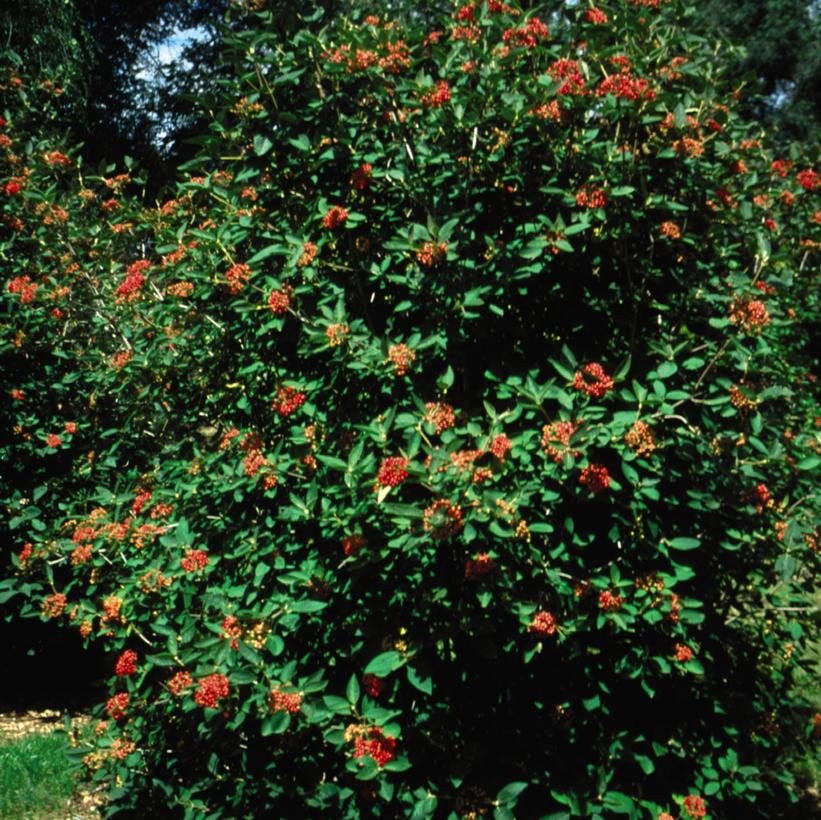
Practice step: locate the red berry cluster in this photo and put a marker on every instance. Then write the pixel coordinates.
(527, 36)
(352, 544)
(595, 477)
(749, 314)
(194, 560)
(675, 608)
(373, 742)
(140, 501)
(112, 605)
(232, 630)
(596, 16)
(126, 664)
(442, 519)
(334, 217)
(212, 689)
(374, 685)
(402, 357)
(601, 384)
(500, 447)
(392, 472)
(25, 287)
(608, 602)
(480, 565)
(437, 97)
(569, 76)
(591, 197)
(288, 400)
(54, 158)
(440, 415)
(54, 605)
(290, 702)
(129, 289)
(117, 705)
(808, 179)
(253, 462)
(683, 653)
(180, 681)
(626, 87)
(670, 229)
(309, 251)
(695, 806)
(336, 334)
(25, 554)
(81, 555)
(639, 438)
(279, 301)
(762, 498)
(431, 254)
(543, 623)
(556, 440)
(237, 276)
(781, 167)
(361, 176)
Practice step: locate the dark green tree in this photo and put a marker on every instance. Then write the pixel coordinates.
(775, 48)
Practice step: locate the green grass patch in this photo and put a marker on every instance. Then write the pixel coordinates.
(35, 775)
(808, 764)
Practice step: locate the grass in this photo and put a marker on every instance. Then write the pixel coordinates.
(35, 777)
(808, 764)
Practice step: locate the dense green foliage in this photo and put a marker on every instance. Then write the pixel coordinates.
(446, 445)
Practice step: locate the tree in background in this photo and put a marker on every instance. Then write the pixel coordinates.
(778, 48)
(94, 50)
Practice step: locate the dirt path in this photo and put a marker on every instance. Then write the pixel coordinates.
(14, 725)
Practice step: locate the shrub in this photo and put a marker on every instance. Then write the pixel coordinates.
(445, 444)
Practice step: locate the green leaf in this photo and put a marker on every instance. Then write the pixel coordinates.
(382, 665)
(336, 704)
(424, 807)
(276, 724)
(307, 606)
(565, 372)
(619, 803)
(352, 690)
(423, 684)
(508, 794)
(366, 768)
(262, 145)
(268, 250)
(403, 510)
(683, 543)
(301, 142)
